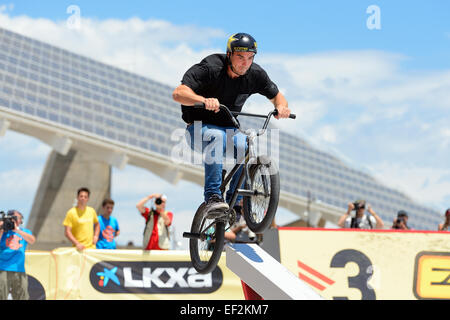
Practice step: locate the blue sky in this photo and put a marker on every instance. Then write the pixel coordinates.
(420, 28)
(377, 99)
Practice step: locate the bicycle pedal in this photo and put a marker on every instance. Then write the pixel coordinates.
(215, 214)
(191, 235)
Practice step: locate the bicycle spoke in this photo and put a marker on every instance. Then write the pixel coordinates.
(207, 236)
(260, 203)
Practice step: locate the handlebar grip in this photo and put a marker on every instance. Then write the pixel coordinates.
(199, 105)
(291, 116)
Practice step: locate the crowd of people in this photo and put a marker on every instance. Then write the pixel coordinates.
(357, 217)
(85, 229)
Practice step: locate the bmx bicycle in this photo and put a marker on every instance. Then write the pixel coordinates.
(260, 199)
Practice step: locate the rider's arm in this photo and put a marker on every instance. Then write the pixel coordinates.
(186, 96)
(281, 105)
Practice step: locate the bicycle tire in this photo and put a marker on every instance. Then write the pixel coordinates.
(259, 222)
(202, 259)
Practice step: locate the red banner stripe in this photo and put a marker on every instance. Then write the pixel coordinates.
(311, 282)
(315, 273)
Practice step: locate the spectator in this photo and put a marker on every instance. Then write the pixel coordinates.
(13, 244)
(360, 219)
(157, 222)
(81, 223)
(444, 226)
(401, 222)
(109, 226)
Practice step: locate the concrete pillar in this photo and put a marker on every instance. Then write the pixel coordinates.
(57, 192)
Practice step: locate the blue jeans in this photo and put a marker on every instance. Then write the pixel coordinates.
(213, 143)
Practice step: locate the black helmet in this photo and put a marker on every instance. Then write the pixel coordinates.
(241, 42)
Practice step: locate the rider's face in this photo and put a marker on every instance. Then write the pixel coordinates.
(241, 62)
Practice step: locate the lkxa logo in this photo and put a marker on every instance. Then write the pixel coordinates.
(143, 277)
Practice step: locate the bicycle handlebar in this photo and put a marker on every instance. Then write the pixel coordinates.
(201, 105)
(231, 115)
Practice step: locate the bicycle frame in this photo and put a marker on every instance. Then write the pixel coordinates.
(214, 231)
(250, 155)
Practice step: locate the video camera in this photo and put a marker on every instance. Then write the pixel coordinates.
(8, 221)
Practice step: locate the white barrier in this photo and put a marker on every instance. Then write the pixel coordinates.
(265, 275)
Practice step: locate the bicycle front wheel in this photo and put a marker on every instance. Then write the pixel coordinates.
(260, 209)
(206, 250)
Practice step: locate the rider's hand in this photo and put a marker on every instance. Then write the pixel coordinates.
(212, 104)
(283, 112)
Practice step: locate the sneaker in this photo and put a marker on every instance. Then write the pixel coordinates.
(215, 207)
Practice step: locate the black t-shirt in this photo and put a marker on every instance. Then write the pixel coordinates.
(209, 79)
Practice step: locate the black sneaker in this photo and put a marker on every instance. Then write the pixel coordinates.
(215, 207)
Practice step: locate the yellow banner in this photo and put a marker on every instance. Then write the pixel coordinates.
(66, 274)
(384, 264)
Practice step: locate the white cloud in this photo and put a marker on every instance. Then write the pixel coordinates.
(415, 180)
(445, 133)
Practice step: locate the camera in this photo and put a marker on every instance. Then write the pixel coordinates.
(8, 221)
(358, 205)
(398, 223)
(400, 220)
(158, 201)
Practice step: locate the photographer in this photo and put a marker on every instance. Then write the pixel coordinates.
(13, 243)
(401, 222)
(360, 220)
(157, 222)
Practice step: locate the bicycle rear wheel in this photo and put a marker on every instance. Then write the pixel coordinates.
(206, 250)
(260, 209)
